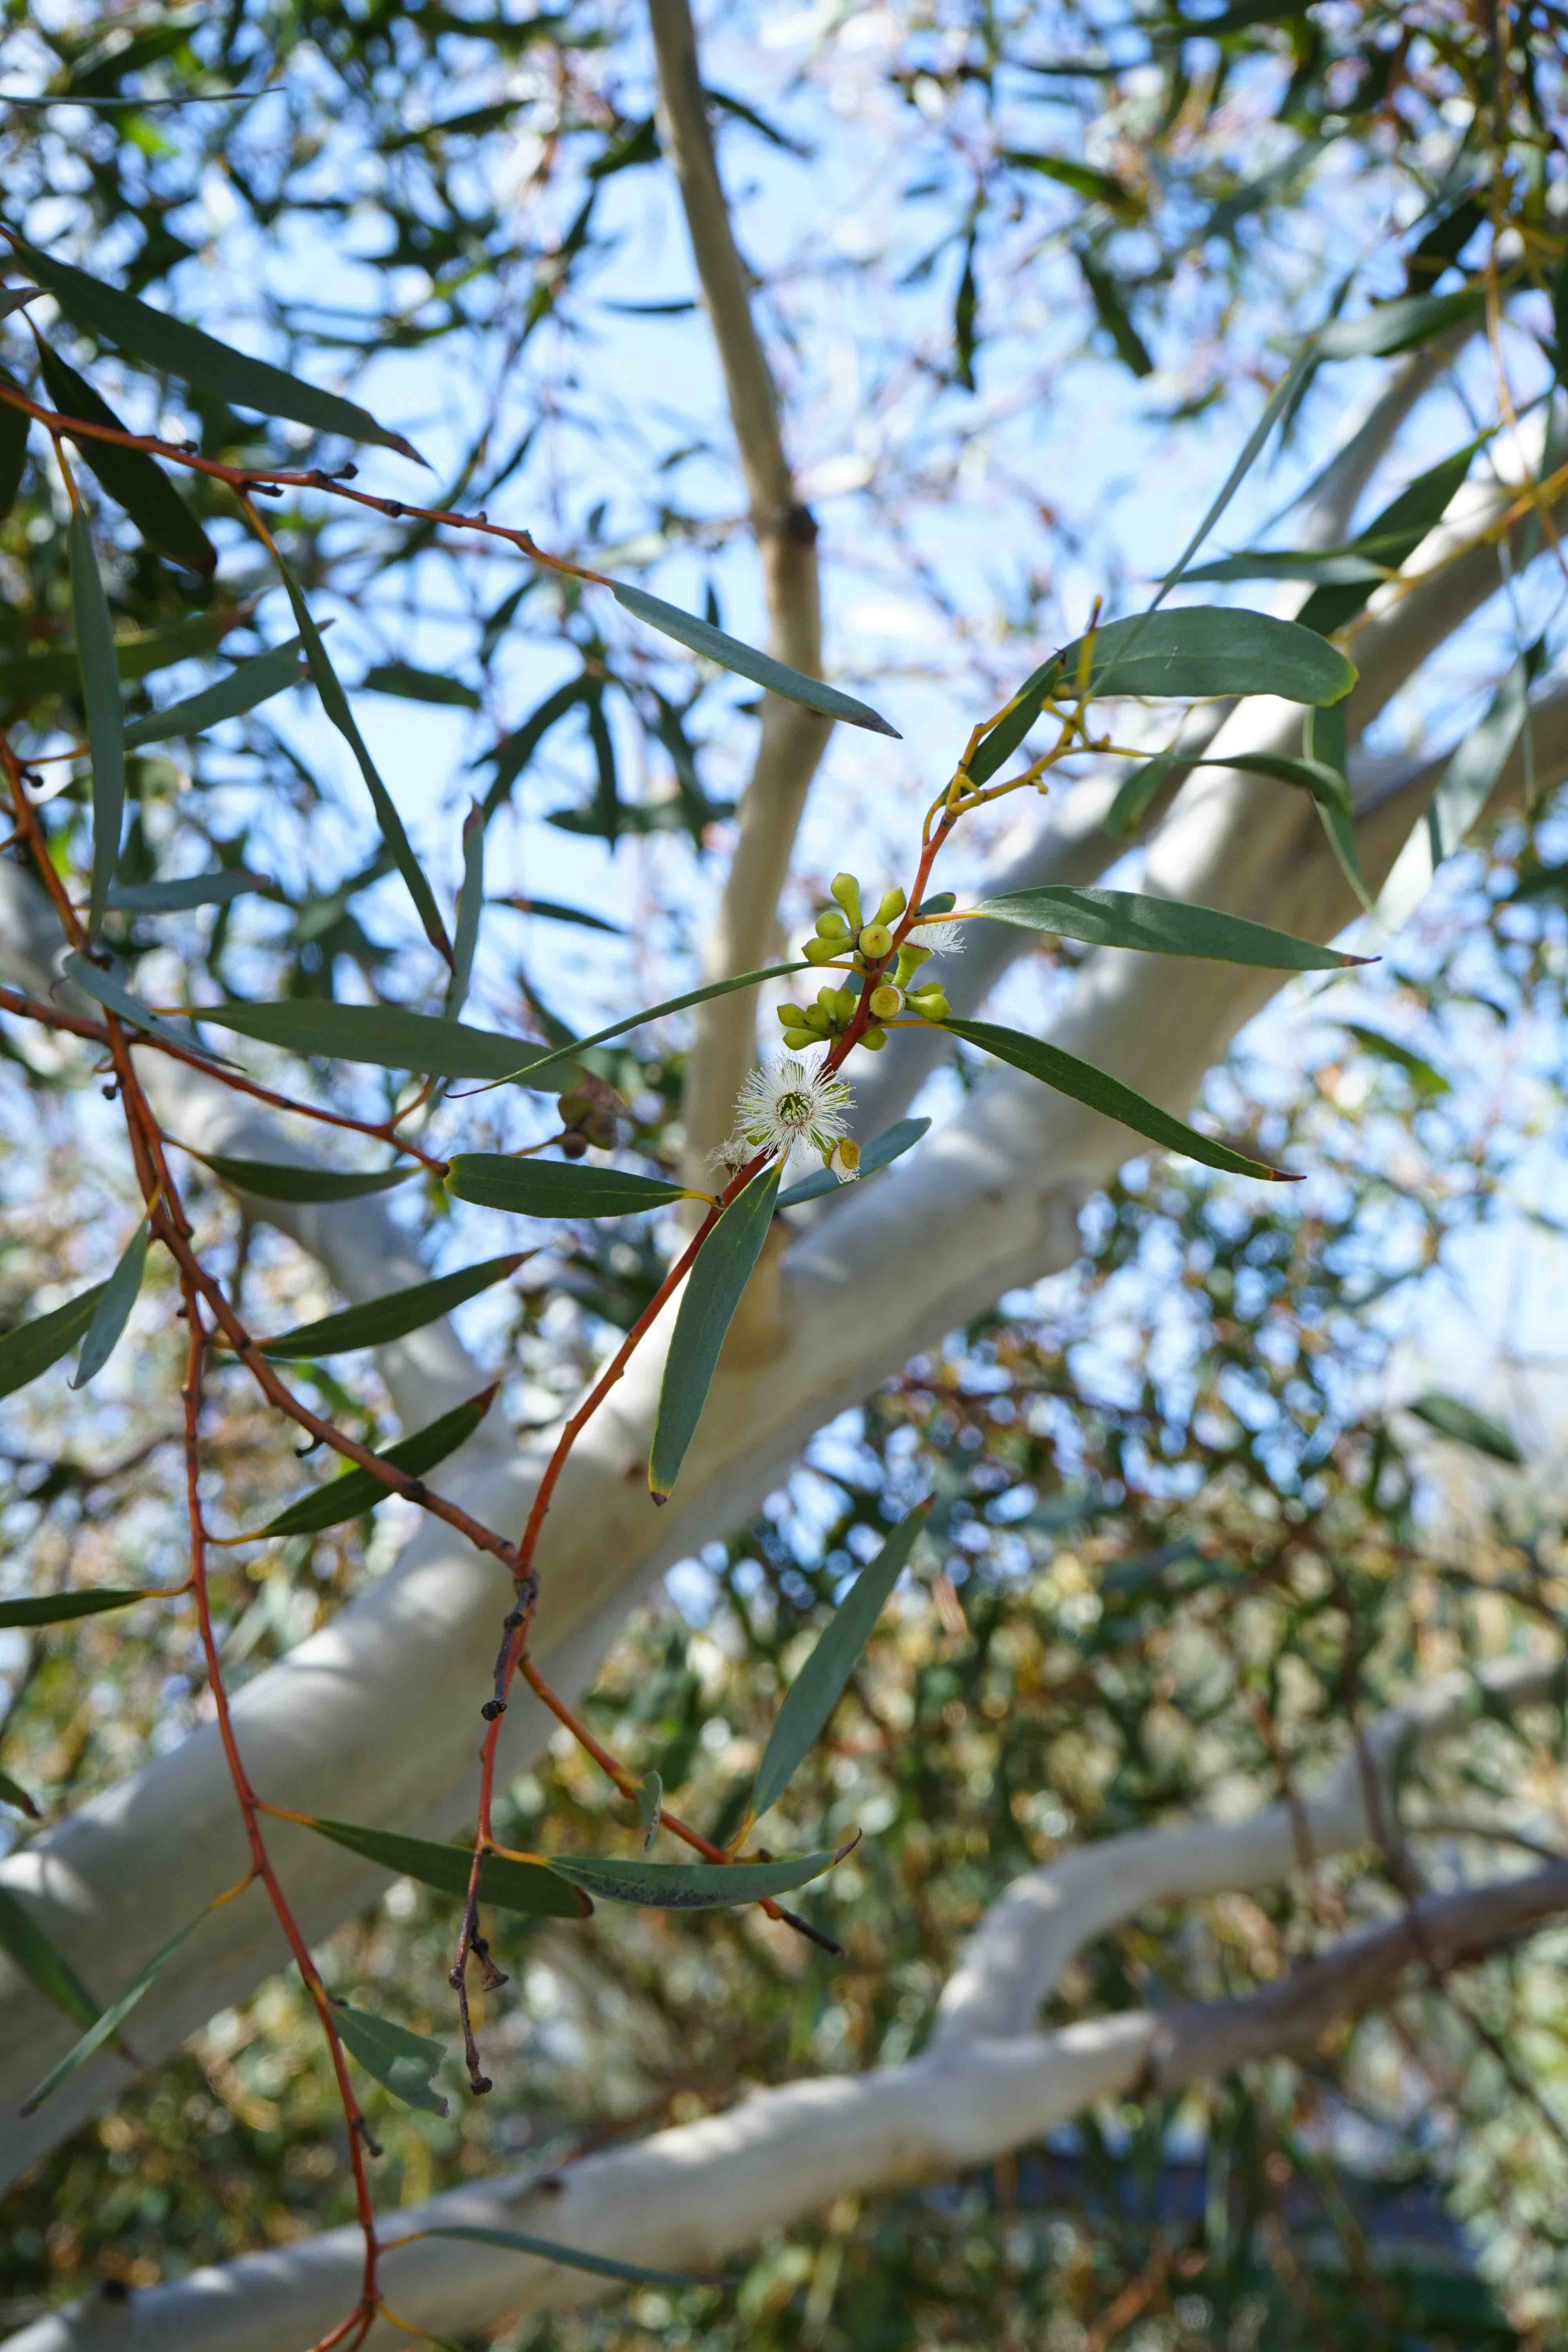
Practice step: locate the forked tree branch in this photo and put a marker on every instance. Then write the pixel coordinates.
(793, 739)
(688, 2198)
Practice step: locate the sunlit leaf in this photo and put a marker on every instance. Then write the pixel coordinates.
(713, 1289)
(278, 1180)
(112, 1312)
(531, 1887)
(384, 1035)
(355, 1491)
(528, 1073)
(108, 2020)
(817, 1687)
(690, 1885)
(403, 2063)
(1279, 401)
(1466, 784)
(1211, 649)
(470, 905)
(880, 1152)
(1426, 1081)
(187, 891)
(1129, 918)
(199, 360)
(32, 1348)
(116, 998)
(1107, 1095)
(37, 1955)
(1451, 1417)
(105, 713)
(1399, 326)
(576, 2258)
(729, 654)
(133, 480)
(392, 1315)
(554, 1188)
(247, 685)
(59, 1608)
(1389, 538)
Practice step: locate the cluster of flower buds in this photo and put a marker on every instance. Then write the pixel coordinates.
(844, 938)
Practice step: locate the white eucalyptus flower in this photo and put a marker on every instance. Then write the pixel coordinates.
(790, 1106)
(942, 935)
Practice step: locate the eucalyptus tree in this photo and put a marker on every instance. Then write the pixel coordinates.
(917, 381)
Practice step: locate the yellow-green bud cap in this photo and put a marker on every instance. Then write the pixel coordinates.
(874, 1040)
(847, 890)
(886, 1002)
(931, 1004)
(892, 906)
(875, 940)
(832, 925)
(846, 1155)
(798, 1039)
(911, 955)
(820, 951)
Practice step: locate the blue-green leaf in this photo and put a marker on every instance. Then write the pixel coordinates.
(554, 1188)
(470, 903)
(133, 480)
(33, 1347)
(1129, 919)
(118, 999)
(113, 1309)
(530, 1887)
(689, 1885)
(576, 2258)
(1450, 1416)
(880, 1152)
(279, 1181)
(391, 1317)
(247, 685)
(105, 712)
(712, 1292)
(729, 654)
(1399, 326)
(403, 2063)
(60, 1608)
(178, 896)
(528, 1073)
(353, 1492)
(41, 1961)
(108, 2020)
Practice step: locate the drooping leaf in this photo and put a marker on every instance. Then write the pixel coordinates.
(14, 425)
(112, 1312)
(1388, 540)
(689, 1885)
(1450, 1416)
(275, 1180)
(1097, 187)
(1110, 309)
(105, 713)
(880, 1152)
(26, 678)
(188, 890)
(817, 1687)
(551, 911)
(336, 703)
(1280, 400)
(353, 1492)
(554, 1188)
(514, 752)
(1211, 649)
(713, 645)
(528, 1073)
(118, 999)
(382, 1035)
(198, 359)
(33, 1347)
(1129, 919)
(576, 2258)
(59, 1608)
(13, 1793)
(247, 685)
(530, 1887)
(413, 684)
(108, 2020)
(1467, 785)
(470, 904)
(133, 480)
(650, 1798)
(392, 1315)
(1402, 325)
(713, 1288)
(1324, 774)
(1100, 1092)
(40, 1959)
(403, 2063)
(1137, 795)
(1424, 1076)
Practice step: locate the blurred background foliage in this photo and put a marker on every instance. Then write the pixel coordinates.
(1183, 1531)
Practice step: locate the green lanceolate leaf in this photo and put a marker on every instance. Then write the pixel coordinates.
(528, 1073)
(41, 1961)
(1207, 650)
(198, 359)
(884, 1149)
(13, 454)
(530, 1887)
(411, 685)
(1468, 783)
(391, 1317)
(551, 911)
(1450, 1416)
(1427, 1080)
(13, 1793)
(133, 480)
(59, 1608)
(117, 999)
(1004, 739)
(1325, 740)
(1137, 795)
(357, 1491)
(1280, 399)
(554, 1188)
(470, 905)
(189, 891)
(712, 1292)
(403, 2063)
(247, 685)
(108, 2020)
(816, 1689)
(1107, 1095)
(336, 703)
(382, 1035)
(105, 716)
(690, 1885)
(650, 1798)
(1399, 326)
(713, 643)
(1129, 918)
(33, 1347)
(27, 677)
(576, 2258)
(113, 1309)
(1388, 540)
(1334, 567)
(514, 752)
(276, 1181)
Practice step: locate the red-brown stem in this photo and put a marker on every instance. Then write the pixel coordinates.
(245, 1796)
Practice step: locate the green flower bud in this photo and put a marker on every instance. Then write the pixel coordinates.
(892, 906)
(875, 940)
(832, 925)
(874, 1040)
(931, 1004)
(820, 951)
(886, 1002)
(827, 1000)
(790, 1016)
(911, 955)
(815, 1019)
(797, 1039)
(847, 890)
